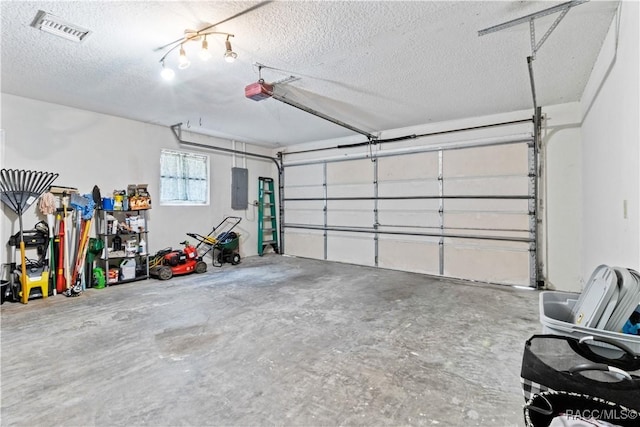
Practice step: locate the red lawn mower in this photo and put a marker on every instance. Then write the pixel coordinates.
(168, 262)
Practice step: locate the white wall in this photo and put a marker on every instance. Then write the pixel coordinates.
(561, 192)
(610, 153)
(89, 149)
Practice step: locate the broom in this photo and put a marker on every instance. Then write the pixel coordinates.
(47, 207)
(67, 239)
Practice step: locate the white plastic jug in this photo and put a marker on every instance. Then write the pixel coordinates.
(142, 247)
(128, 269)
(128, 262)
(132, 248)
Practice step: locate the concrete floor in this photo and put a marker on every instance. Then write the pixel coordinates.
(272, 341)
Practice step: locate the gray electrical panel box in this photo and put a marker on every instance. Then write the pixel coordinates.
(239, 188)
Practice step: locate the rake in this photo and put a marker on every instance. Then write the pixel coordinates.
(19, 189)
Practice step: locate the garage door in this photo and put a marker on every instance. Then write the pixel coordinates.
(461, 210)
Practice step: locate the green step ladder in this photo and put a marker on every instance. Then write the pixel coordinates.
(267, 227)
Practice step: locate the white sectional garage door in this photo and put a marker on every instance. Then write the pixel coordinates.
(462, 211)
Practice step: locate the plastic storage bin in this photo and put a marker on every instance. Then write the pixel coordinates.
(556, 319)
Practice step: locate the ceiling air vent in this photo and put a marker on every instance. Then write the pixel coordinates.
(52, 24)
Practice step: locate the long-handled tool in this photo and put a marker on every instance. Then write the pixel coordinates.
(47, 207)
(95, 245)
(67, 240)
(84, 206)
(18, 190)
(61, 284)
(79, 261)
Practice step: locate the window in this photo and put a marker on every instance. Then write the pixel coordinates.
(184, 178)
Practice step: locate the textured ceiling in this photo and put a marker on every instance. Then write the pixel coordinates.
(374, 65)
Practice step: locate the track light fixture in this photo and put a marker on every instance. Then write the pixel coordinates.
(183, 61)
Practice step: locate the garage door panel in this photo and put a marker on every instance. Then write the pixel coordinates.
(478, 220)
(487, 205)
(421, 212)
(408, 219)
(307, 244)
(306, 191)
(305, 213)
(481, 161)
(415, 255)
(349, 213)
(487, 263)
(408, 188)
(304, 175)
(350, 248)
(408, 167)
(304, 182)
(350, 172)
(350, 190)
(426, 205)
(349, 219)
(496, 185)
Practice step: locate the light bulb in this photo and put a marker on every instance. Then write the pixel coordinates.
(167, 73)
(183, 60)
(204, 54)
(229, 54)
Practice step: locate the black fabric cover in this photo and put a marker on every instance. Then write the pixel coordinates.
(544, 407)
(548, 359)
